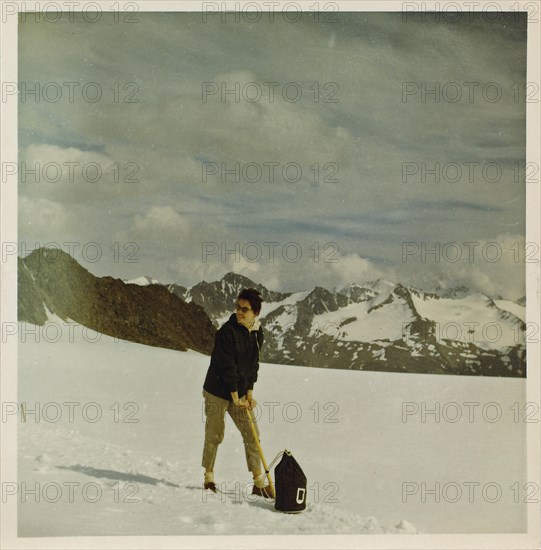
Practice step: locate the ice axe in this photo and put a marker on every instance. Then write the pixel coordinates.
(271, 486)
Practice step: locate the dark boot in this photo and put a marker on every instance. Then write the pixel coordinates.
(266, 492)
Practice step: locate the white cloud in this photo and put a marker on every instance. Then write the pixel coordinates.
(71, 175)
(160, 222)
(492, 266)
(43, 218)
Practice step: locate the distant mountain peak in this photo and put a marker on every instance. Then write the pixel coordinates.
(380, 285)
(236, 278)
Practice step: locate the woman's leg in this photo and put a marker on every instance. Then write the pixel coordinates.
(241, 420)
(215, 408)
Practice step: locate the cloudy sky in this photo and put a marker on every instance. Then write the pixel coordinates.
(345, 123)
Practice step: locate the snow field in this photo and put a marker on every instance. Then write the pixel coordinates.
(346, 429)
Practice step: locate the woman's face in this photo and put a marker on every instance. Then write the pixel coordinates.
(245, 314)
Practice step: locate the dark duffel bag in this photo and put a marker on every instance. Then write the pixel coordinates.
(290, 485)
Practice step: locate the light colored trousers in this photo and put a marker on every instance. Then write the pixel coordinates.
(215, 409)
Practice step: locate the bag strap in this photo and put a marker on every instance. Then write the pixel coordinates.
(281, 453)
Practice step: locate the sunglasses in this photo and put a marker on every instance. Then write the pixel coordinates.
(243, 309)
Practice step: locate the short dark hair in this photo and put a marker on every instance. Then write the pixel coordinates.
(253, 296)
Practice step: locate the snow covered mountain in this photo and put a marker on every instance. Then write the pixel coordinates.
(376, 325)
(382, 326)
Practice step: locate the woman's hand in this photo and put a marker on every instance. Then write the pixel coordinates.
(242, 404)
(252, 403)
(247, 402)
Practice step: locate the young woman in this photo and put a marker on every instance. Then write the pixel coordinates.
(229, 387)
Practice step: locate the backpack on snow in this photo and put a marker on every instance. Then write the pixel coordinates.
(290, 484)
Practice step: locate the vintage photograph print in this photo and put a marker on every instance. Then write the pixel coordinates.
(271, 270)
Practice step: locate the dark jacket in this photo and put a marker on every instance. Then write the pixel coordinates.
(235, 360)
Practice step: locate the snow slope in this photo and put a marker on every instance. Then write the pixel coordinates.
(516, 309)
(386, 323)
(473, 319)
(469, 319)
(346, 429)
